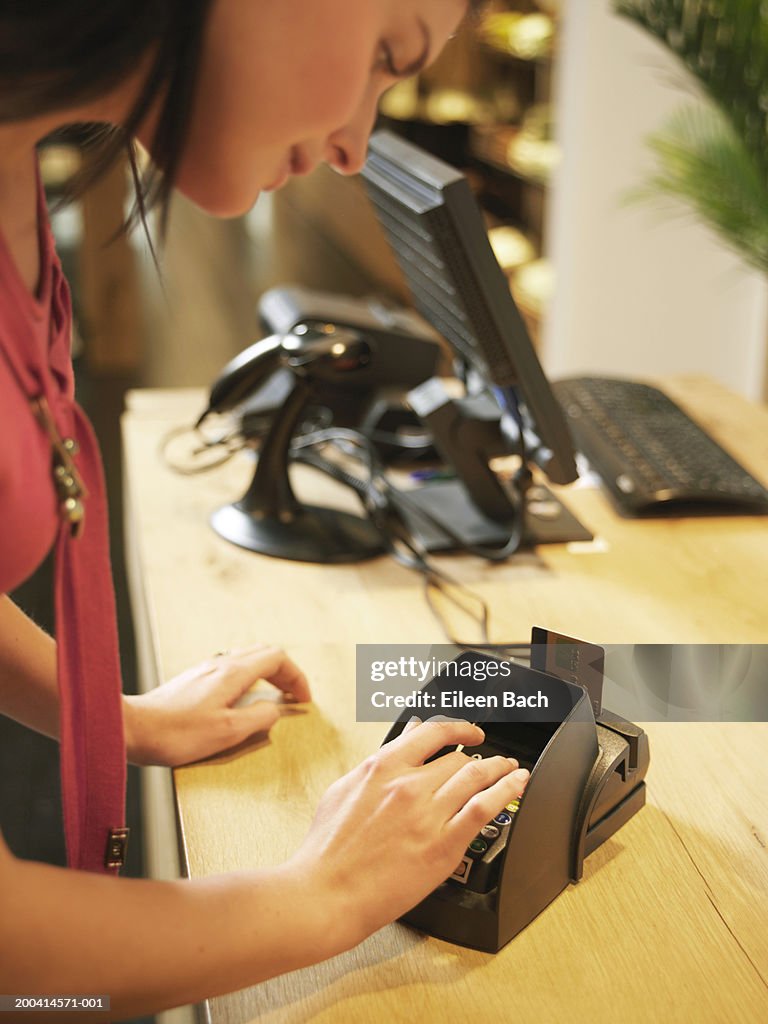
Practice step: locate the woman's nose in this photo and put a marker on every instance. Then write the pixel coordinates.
(347, 155)
(347, 148)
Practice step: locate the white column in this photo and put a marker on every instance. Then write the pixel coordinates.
(641, 290)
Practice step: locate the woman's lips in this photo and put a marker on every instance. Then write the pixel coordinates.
(298, 163)
(301, 162)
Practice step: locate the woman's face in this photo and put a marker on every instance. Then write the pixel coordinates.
(288, 84)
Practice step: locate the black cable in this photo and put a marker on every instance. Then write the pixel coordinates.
(490, 554)
(233, 443)
(376, 496)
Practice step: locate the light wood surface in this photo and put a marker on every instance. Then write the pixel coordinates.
(670, 922)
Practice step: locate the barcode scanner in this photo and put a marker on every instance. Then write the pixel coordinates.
(269, 518)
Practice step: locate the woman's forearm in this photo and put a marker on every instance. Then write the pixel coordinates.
(28, 690)
(152, 945)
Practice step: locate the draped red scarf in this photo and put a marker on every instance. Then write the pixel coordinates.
(35, 363)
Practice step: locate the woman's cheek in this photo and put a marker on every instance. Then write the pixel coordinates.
(316, 105)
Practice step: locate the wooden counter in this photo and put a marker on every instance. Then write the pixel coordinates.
(670, 922)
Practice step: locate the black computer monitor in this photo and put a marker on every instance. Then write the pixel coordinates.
(436, 230)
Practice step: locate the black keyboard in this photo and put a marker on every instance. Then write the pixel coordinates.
(653, 458)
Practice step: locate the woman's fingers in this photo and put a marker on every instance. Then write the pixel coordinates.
(271, 663)
(475, 777)
(444, 769)
(411, 724)
(486, 802)
(415, 745)
(258, 717)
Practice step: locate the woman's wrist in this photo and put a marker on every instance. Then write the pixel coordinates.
(326, 922)
(137, 731)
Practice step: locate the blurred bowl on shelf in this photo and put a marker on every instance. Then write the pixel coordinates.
(532, 157)
(439, 107)
(525, 36)
(533, 286)
(402, 102)
(533, 151)
(526, 152)
(451, 106)
(511, 247)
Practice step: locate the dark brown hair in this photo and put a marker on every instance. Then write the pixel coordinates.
(59, 55)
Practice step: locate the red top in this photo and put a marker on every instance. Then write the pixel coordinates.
(35, 333)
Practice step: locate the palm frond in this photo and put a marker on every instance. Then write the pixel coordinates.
(724, 43)
(703, 163)
(714, 159)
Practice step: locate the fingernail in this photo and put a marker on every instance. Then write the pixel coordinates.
(514, 762)
(414, 721)
(522, 775)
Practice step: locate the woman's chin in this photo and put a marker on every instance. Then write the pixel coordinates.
(279, 181)
(221, 201)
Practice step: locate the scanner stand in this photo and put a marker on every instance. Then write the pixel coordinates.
(587, 780)
(270, 519)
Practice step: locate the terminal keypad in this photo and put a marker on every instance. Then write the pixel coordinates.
(478, 868)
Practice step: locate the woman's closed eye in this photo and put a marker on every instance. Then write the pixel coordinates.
(386, 60)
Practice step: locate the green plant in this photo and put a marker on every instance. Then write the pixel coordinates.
(715, 157)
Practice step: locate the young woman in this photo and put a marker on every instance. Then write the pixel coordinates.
(230, 97)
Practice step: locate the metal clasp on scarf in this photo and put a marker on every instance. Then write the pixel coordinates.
(70, 489)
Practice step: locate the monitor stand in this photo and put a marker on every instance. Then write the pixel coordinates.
(547, 520)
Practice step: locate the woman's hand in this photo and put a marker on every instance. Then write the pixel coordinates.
(193, 715)
(394, 828)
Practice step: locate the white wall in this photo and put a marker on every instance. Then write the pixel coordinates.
(640, 291)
